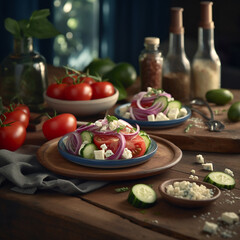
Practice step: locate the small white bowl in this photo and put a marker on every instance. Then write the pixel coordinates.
(82, 108)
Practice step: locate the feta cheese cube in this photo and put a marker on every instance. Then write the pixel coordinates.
(193, 171)
(191, 177)
(123, 110)
(229, 217)
(151, 118)
(103, 147)
(173, 113)
(98, 123)
(127, 153)
(210, 227)
(121, 123)
(113, 125)
(127, 115)
(108, 153)
(229, 172)
(149, 89)
(195, 177)
(199, 158)
(104, 128)
(182, 112)
(207, 166)
(161, 117)
(99, 154)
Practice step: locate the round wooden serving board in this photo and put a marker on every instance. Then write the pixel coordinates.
(167, 156)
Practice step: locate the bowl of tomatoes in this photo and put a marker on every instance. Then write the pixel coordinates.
(86, 106)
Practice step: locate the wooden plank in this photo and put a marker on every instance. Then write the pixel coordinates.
(55, 216)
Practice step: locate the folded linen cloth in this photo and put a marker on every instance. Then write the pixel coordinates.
(28, 175)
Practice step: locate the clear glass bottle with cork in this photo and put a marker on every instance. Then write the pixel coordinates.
(150, 62)
(206, 65)
(176, 66)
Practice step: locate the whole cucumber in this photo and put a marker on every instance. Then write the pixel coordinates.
(219, 96)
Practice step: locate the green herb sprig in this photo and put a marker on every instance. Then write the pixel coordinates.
(121, 189)
(37, 26)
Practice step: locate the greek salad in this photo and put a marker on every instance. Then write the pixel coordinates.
(153, 105)
(109, 138)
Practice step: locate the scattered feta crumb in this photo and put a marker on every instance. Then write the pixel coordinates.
(195, 177)
(173, 113)
(103, 147)
(229, 172)
(108, 153)
(127, 153)
(199, 158)
(191, 176)
(229, 217)
(182, 112)
(161, 117)
(104, 128)
(151, 118)
(210, 227)
(207, 166)
(113, 125)
(98, 123)
(99, 154)
(193, 171)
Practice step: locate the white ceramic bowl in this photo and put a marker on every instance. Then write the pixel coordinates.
(82, 108)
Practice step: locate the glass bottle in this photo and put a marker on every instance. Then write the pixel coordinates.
(206, 65)
(150, 62)
(176, 66)
(24, 75)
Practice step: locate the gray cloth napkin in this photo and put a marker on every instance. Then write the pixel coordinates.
(28, 175)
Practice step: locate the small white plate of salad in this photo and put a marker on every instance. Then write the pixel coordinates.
(107, 143)
(153, 108)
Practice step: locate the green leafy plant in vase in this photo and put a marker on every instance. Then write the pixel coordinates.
(23, 73)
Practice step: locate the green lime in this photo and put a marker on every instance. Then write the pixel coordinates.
(124, 73)
(234, 112)
(219, 96)
(99, 66)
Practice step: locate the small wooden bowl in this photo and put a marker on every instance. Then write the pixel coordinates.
(188, 203)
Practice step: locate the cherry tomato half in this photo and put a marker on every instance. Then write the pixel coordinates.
(102, 90)
(55, 90)
(79, 91)
(12, 136)
(136, 144)
(59, 126)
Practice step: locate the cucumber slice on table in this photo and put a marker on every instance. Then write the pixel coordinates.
(220, 179)
(88, 150)
(174, 104)
(163, 100)
(142, 196)
(87, 136)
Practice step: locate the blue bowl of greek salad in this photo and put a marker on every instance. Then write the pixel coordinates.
(107, 143)
(153, 108)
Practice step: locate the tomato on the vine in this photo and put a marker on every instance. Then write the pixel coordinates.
(12, 135)
(70, 79)
(59, 125)
(55, 90)
(19, 106)
(102, 90)
(79, 91)
(16, 115)
(88, 80)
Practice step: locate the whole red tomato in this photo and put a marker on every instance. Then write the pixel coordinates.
(102, 90)
(16, 115)
(19, 106)
(12, 135)
(88, 80)
(55, 90)
(59, 125)
(79, 91)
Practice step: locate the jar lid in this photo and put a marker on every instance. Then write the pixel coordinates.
(206, 15)
(176, 25)
(152, 40)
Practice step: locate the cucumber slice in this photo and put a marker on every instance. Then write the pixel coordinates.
(163, 100)
(142, 196)
(87, 136)
(175, 104)
(220, 179)
(88, 151)
(147, 141)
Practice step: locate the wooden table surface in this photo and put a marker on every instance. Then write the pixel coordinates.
(105, 214)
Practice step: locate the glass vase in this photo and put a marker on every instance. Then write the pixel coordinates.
(24, 75)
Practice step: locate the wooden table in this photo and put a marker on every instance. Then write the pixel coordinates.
(105, 214)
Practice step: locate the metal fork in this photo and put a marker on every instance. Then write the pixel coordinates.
(212, 124)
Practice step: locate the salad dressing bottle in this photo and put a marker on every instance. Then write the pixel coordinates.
(206, 65)
(176, 66)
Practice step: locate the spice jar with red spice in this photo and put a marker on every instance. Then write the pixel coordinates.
(150, 62)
